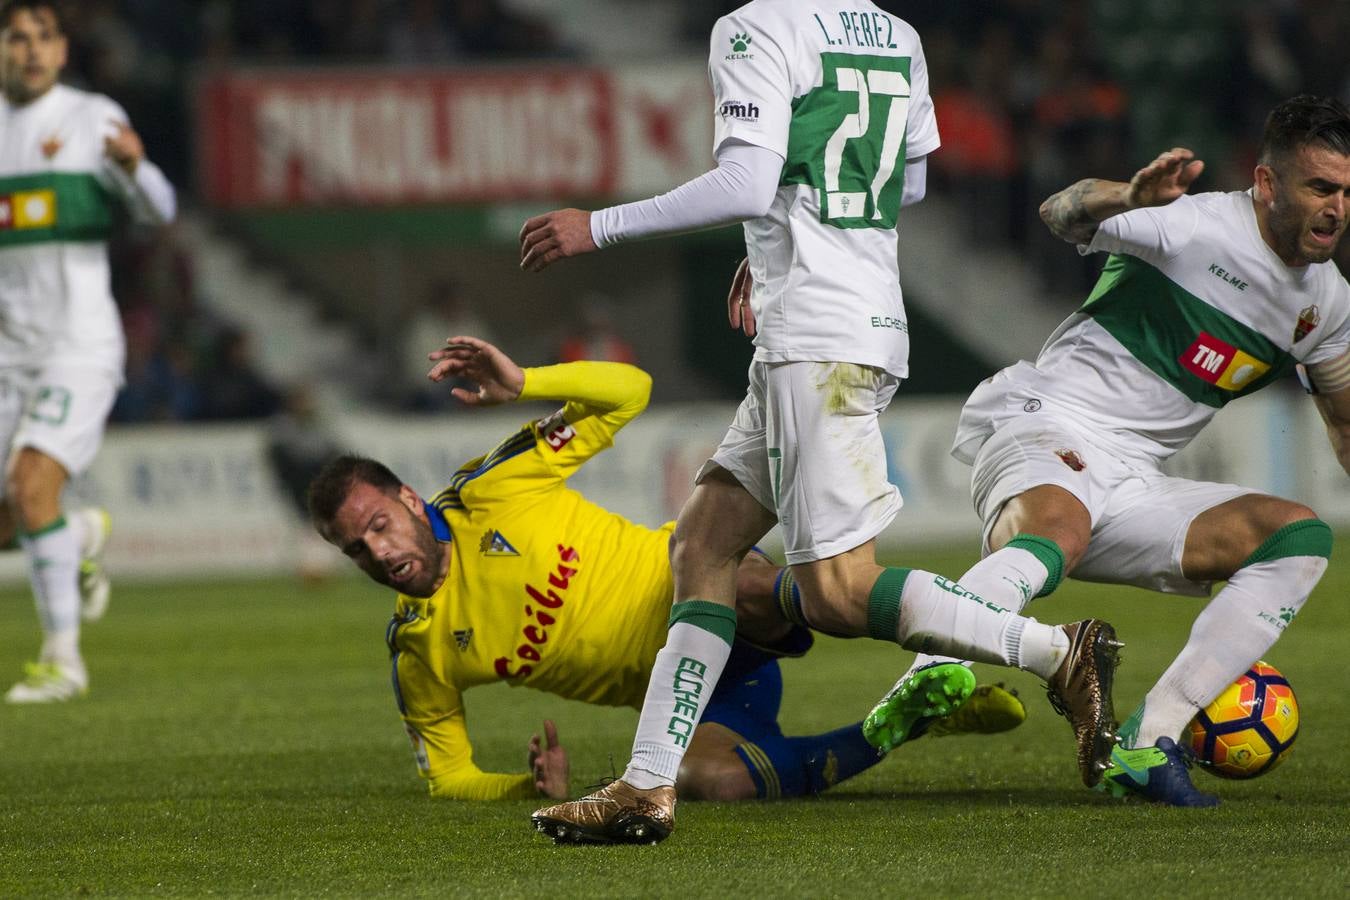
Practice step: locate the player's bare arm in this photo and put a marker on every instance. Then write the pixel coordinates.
(553, 236)
(498, 378)
(1333, 402)
(739, 313)
(124, 147)
(1074, 213)
(548, 762)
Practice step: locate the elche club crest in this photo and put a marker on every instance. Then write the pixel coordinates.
(1308, 317)
(1071, 459)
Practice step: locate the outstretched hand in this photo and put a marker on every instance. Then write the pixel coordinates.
(498, 379)
(1165, 179)
(553, 236)
(739, 313)
(549, 765)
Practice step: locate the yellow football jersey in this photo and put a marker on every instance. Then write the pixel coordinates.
(545, 589)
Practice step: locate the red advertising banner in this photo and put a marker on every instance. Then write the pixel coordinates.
(368, 136)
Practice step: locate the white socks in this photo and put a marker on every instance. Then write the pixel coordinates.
(936, 614)
(1233, 631)
(53, 556)
(1009, 578)
(682, 682)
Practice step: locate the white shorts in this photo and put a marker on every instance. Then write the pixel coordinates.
(1140, 516)
(806, 443)
(61, 410)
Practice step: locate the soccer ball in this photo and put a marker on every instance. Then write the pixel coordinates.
(1249, 728)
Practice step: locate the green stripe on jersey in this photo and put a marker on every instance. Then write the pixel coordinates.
(53, 206)
(1198, 349)
(847, 139)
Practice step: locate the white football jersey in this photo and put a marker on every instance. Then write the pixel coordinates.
(840, 91)
(56, 212)
(1193, 309)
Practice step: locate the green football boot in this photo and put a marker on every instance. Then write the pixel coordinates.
(916, 701)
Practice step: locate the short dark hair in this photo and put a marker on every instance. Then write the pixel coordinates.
(1305, 120)
(328, 490)
(9, 7)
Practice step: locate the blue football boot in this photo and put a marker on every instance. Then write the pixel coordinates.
(1158, 773)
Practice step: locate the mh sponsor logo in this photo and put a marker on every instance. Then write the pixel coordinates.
(1221, 364)
(740, 110)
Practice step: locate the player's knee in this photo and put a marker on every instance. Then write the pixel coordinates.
(834, 605)
(691, 550)
(26, 493)
(824, 614)
(1293, 513)
(1297, 532)
(1072, 544)
(715, 779)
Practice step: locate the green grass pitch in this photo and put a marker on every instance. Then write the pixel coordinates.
(241, 739)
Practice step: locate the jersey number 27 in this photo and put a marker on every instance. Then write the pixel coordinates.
(847, 139)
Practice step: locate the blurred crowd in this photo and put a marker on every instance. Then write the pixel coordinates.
(1030, 96)
(183, 362)
(1033, 95)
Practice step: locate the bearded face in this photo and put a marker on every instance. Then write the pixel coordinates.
(387, 537)
(1305, 199)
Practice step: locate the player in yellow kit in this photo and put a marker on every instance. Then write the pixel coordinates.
(510, 575)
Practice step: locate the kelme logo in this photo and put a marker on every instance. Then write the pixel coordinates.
(740, 45)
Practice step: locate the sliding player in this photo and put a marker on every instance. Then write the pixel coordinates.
(510, 575)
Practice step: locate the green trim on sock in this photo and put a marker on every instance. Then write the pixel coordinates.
(1307, 537)
(55, 525)
(1047, 553)
(713, 618)
(883, 605)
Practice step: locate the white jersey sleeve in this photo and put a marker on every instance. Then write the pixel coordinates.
(753, 103)
(148, 194)
(1154, 234)
(1333, 336)
(741, 187)
(921, 132)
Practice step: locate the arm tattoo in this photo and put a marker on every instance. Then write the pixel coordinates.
(1066, 213)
